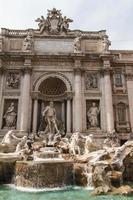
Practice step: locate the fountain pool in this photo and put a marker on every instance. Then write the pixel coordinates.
(10, 193)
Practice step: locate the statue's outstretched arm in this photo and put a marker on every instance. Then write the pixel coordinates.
(43, 113)
(15, 137)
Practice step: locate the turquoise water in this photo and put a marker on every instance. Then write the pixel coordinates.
(8, 193)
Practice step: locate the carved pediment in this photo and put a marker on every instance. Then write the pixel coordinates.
(55, 23)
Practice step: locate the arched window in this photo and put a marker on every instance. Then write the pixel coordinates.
(52, 86)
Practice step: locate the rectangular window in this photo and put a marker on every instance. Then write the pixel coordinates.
(118, 79)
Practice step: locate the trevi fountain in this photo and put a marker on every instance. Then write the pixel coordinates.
(66, 119)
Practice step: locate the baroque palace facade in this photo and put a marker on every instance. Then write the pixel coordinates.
(90, 85)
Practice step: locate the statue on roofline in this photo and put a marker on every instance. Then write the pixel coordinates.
(55, 23)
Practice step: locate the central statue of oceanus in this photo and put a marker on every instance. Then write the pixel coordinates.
(50, 117)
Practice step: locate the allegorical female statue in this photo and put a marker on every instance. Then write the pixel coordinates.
(92, 115)
(28, 43)
(77, 44)
(10, 117)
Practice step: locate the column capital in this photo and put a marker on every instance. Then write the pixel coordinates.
(77, 63)
(27, 68)
(35, 95)
(69, 95)
(78, 66)
(105, 71)
(2, 67)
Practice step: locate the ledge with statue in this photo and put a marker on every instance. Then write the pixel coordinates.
(56, 27)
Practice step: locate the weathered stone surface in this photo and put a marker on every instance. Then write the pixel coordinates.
(125, 190)
(80, 174)
(39, 174)
(7, 167)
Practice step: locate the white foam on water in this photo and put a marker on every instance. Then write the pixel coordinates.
(37, 190)
(89, 188)
(85, 188)
(28, 189)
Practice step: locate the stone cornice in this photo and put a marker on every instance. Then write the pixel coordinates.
(124, 62)
(71, 33)
(106, 57)
(39, 95)
(27, 68)
(12, 93)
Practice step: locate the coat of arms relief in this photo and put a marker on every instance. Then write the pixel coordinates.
(55, 23)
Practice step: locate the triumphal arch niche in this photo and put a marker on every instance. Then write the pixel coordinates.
(69, 74)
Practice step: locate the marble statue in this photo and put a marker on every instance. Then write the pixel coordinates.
(89, 144)
(111, 142)
(10, 117)
(42, 23)
(9, 142)
(28, 43)
(106, 44)
(21, 144)
(92, 115)
(65, 23)
(9, 138)
(74, 144)
(50, 117)
(77, 45)
(27, 152)
(55, 23)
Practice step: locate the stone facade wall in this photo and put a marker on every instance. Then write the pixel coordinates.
(93, 75)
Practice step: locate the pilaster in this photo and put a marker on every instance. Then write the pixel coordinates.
(77, 112)
(35, 109)
(69, 115)
(107, 94)
(2, 72)
(129, 79)
(25, 96)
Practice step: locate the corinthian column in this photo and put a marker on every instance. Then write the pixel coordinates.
(109, 116)
(25, 96)
(77, 114)
(69, 115)
(35, 107)
(102, 104)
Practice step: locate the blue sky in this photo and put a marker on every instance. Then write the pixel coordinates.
(115, 16)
